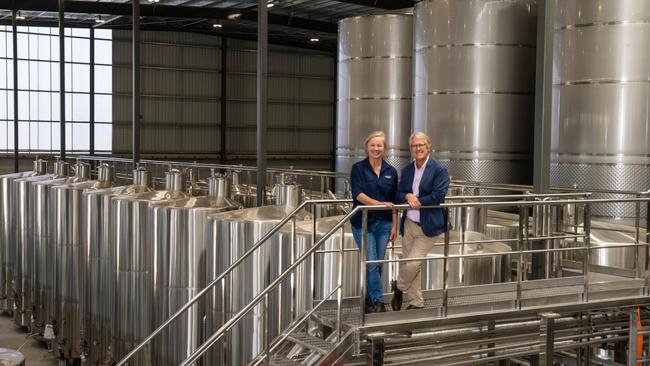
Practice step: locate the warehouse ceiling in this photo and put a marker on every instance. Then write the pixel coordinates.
(302, 23)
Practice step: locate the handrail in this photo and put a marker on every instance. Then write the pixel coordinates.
(234, 320)
(208, 287)
(227, 326)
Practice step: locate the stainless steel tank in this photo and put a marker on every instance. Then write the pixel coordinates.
(44, 253)
(374, 86)
(70, 259)
(97, 303)
(7, 238)
(326, 264)
(132, 318)
(179, 269)
(23, 256)
(48, 243)
(601, 114)
(466, 271)
(229, 236)
(474, 84)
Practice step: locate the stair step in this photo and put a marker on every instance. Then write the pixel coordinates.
(281, 360)
(311, 342)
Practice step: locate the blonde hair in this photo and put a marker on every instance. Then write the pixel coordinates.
(420, 135)
(371, 136)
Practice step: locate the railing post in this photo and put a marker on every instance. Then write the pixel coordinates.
(463, 225)
(445, 269)
(647, 247)
(267, 333)
(547, 333)
(637, 237)
(362, 268)
(632, 342)
(292, 286)
(587, 250)
(339, 292)
(312, 265)
(523, 210)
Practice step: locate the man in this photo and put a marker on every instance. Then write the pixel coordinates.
(423, 183)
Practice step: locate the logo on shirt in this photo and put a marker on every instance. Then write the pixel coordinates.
(388, 176)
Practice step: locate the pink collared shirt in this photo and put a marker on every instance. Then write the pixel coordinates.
(414, 215)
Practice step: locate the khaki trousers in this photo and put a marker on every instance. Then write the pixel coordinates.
(414, 245)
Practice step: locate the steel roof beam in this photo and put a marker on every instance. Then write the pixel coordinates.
(382, 4)
(166, 11)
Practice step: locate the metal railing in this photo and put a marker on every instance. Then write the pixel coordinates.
(290, 217)
(525, 203)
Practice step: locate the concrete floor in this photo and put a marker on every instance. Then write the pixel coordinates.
(13, 337)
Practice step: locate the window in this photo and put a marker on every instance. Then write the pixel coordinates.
(39, 86)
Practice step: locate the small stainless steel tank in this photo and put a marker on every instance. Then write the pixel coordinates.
(97, 304)
(179, 267)
(23, 256)
(7, 238)
(132, 316)
(71, 260)
(44, 253)
(466, 271)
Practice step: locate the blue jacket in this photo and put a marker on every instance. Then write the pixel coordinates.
(383, 188)
(432, 191)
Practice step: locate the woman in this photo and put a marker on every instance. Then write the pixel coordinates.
(374, 182)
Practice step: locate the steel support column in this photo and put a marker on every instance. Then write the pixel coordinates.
(262, 70)
(224, 91)
(61, 77)
(135, 46)
(547, 334)
(91, 106)
(14, 35)
(543, 95)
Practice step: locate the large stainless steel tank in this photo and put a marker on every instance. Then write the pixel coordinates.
(132, 318)
(179, 268)
(97, 305)
(601, 115)
(229, 236)
(70, 259)
(7, 238)
(23, 256)
(474, 83)
(44, 253)
(374, 86)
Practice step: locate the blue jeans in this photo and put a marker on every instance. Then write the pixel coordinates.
(376, 242)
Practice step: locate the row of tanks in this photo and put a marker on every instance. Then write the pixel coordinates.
(96, 266)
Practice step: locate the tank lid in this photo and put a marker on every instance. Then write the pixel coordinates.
(82, 170)
(175, 180)
(142, 177)
(40, 166)
(61, 169)
(218, 186)
(105, 173)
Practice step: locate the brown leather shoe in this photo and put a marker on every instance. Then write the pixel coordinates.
(379, 306)
(396, 302)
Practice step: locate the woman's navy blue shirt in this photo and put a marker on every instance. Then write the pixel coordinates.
(383, 188)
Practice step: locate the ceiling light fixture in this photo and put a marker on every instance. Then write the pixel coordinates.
(99, 20)
(19, 17)
(314, 39)
(154, 1)
(270, 5)
(217, 25)
(234, 16)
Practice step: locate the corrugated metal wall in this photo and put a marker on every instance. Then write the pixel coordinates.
(180, 102)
